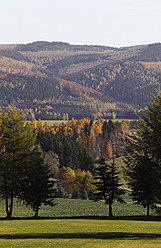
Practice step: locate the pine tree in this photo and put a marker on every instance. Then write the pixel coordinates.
(108, 185)
(15, 144)
(142, 173)
(38, 185)
(151, 128)
(143, 158)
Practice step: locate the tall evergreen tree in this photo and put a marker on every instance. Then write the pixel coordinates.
(37, 185)
(108, 184)
(143, 157)
(15, 143)
(151, 128)
(142, 173)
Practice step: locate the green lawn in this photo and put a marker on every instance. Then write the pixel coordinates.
(80, 223)
(80, 233)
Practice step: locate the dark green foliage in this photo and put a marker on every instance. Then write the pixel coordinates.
(143, 158)
(91, 195)
(108, 185)
(37, 185)
(151, 128)
(15, 143)
(142, 174)
(71, 153)
(83, 194)
(76, 194)
(60, 193)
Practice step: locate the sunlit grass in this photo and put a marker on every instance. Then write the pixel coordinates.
(78, 208)
(80, 233)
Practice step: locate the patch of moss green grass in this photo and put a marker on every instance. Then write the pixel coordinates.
(78, 208)
(80, 233)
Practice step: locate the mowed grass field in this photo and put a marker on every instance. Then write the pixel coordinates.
(80, 233)
(80, 223)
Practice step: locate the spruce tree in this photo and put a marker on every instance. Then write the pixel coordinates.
(37, 185)
(15, 143)
(143, 157)
(142, 173)
(151, 128)
(108, 184)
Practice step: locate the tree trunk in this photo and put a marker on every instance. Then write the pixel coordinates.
(6, 197)
(148, 208)
(110, 210)
(36, 211)
(11, 206)
(6, 200)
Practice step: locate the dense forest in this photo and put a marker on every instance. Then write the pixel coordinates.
(45, 98)
(79, 80)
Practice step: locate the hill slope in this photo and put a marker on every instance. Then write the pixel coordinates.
(124, 77)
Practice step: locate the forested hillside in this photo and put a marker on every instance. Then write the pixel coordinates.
(79, 80)
(45, 98)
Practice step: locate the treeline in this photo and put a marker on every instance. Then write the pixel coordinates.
(96, 137)
(41, 162)
(23, 172)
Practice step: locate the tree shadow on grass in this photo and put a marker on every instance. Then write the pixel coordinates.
(132, 218)
(98, 235)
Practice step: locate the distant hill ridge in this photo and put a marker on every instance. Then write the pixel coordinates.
(126, 75)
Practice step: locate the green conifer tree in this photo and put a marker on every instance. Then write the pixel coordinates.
(37, 185)
(108, 184)
(15, 143)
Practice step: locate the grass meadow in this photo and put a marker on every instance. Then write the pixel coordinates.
(80, 223)
(80, 233)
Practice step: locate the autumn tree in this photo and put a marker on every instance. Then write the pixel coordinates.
(66, 178)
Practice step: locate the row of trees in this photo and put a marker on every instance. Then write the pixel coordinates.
(96, 137)
(142, 169)
(22, 165)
